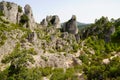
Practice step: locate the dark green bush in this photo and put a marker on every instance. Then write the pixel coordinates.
(24, 19)
(46, 71)
(58, 74)
(19, 9)
(1, 13)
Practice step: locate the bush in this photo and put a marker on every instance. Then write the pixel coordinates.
(19, 9)
(1, 13)
(58, 74)
(46, 71)
(24, 19)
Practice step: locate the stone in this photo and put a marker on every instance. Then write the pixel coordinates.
(32, 37)
(106, 61)
(10, 11)
(29, 13)
(55, 21)
(71, 26)
(51, 20)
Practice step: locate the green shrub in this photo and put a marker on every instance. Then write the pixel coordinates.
(84, 58)
(58, 74)
(46, 71)
(69, 73)
(19, 9)
(1, 13)
(24, 19)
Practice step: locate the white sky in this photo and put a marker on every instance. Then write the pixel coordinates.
(85, 10)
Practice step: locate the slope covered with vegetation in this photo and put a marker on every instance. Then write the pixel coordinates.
(44, 52)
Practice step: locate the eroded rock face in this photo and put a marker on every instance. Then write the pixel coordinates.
(10, 11)
(51, 20)
(71, 26)
(29, 13)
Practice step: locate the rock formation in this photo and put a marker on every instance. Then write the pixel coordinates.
(51, 20)
(10, 11)
(29, 13)
(71, 26)
(13, 12)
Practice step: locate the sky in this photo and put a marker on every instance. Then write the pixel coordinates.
(86, 11)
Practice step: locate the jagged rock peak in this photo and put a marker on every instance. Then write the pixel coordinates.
(71, 26)
(51, 20)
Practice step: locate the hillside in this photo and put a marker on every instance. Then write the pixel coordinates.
(82, 25)
(49, 51)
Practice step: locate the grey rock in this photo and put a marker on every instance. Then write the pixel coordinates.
(10, 10)
(55, 21)
(51, 20)
(32, 37)
(29, 13)
(76, 61)
(71, 26)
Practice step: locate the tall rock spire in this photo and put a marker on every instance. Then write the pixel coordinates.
(29, 13)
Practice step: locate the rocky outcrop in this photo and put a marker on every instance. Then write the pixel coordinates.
(51, 20)
(13, 12)
(10, 11)
(71, 26)
(29, 13)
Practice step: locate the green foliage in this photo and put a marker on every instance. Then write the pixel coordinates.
(75, 47)
(116, 35)
(2, 38)
(24, 19)
(1, 13)
(58, 74)
(84, 58)
(69, 73)
(46, 71)
(19, 9)
(18, 57)
(17, 69)
(24, 74)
